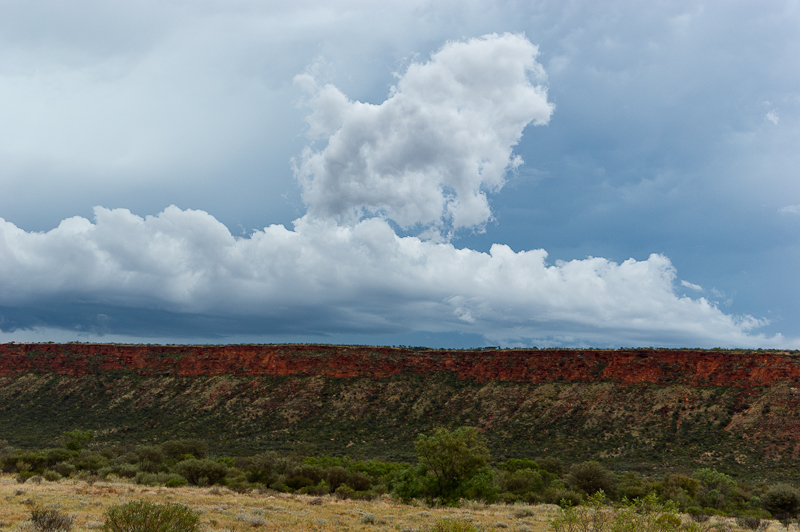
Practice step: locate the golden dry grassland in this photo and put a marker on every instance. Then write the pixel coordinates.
(222, 510)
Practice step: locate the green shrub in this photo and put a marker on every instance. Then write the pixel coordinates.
(312, 472)
(368, 495)
(451, 464)
(64, 469)
(143, 516)
(781, 500)
(51, 475)
(176, 481)
(563, 497)
(359, 481)
(260, 469)
(23, 477)
(522, 481)
(239, 484)
(344, 492)
(91, 461)
(201, 472)
(320, 489)
(631, 486)
(551, 464)
(451, 525)
(170, 480)
(591, 477)
(298, 483)
(181, 449)
(368, 519)
(280, 487)
(715, 489)
(123, 470)
(50, 520)
(508, 498)
(150, 457)
(336, 476)
(749, 523)
(75, 440)
(515, 464)
(679, 488)
(646, 514)
(54, 456)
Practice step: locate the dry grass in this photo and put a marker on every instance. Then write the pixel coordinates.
(224, 510)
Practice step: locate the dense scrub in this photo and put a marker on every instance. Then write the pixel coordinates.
(450, 467)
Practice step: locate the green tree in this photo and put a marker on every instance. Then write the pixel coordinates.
(75, 440)
(591, 477)
(715, 488)
(782, 500)
(452, 465)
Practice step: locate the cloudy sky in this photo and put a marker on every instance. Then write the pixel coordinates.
(449, 174)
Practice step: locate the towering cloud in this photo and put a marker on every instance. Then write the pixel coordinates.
(424, 159)
(427, 155)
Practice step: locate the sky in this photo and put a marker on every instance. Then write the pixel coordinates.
(442, 174)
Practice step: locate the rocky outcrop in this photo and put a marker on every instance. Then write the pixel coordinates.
(654, 366)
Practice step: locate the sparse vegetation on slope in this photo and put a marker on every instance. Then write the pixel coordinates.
(736, 412)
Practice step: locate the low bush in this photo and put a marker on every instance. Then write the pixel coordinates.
(182, 449)
(143, 516)
(451, 525)
(750, 523)
(64, 469)
(646, 514)
(51, 476)
(344, 492)
(239, 484)
(170, 480)
(50, 520)
(563, 497)
(23, 477)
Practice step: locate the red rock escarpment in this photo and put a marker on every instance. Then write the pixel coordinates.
(696, 368)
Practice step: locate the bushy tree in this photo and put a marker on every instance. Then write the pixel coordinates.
(450, 465)
(201, 472)
(679, 488)
(551, 464)
(715, 487)
(591, 477)
(181, 449)
(782, 501)
(75, 440)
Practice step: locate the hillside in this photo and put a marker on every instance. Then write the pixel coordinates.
(633, 409)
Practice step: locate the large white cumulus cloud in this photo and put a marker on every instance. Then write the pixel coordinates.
(428, 154)
(362, 274)
(424, 160)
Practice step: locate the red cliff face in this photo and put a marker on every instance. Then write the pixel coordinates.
(696, 408)
(661, 367)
